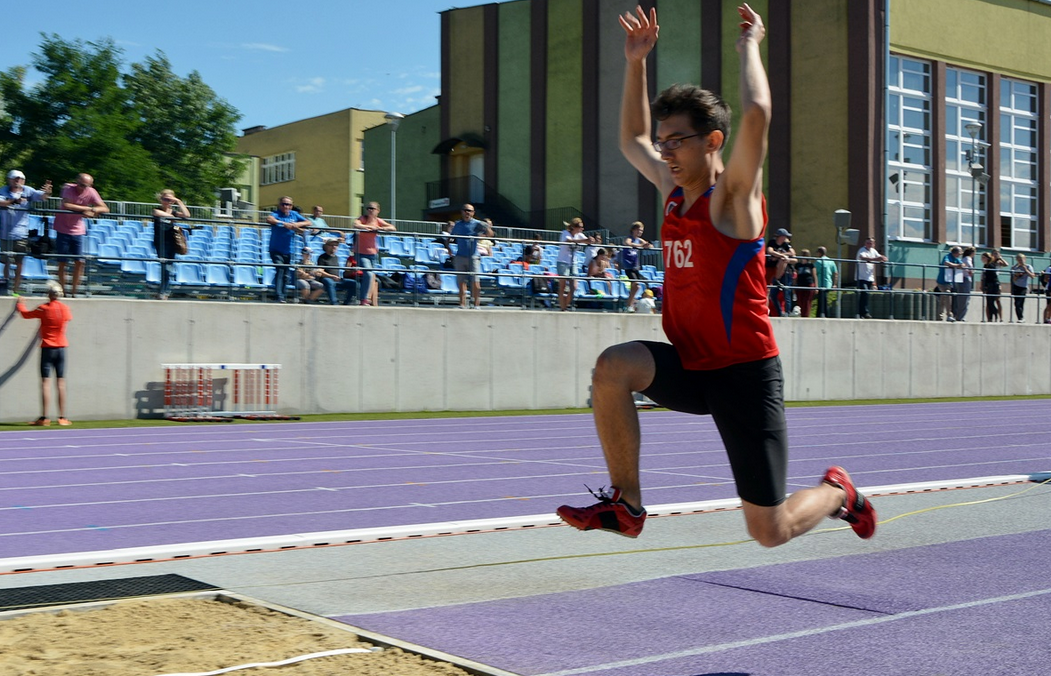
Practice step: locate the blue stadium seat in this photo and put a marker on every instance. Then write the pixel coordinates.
(108, 253)
(247, 276)
(188, 274)
(34, 268)
(135, 267)
(216, 275)
(153, 272)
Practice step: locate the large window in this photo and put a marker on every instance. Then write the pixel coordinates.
(1018, 153)
(278, 168)
(965, 104)
(909, 149)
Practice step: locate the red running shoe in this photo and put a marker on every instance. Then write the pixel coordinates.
(610, 514)
(856, 510)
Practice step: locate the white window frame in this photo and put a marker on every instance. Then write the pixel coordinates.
(278, 169)
(1013, 187)
(909, 152)
(960, 186)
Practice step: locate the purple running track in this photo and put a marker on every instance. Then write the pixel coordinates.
(971, 607)
(70, 490)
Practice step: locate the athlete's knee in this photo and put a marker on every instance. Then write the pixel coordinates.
(767, 526)
(629, 364)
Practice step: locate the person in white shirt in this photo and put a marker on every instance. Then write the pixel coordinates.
(646, 305)
(868, 257)
(575, 237)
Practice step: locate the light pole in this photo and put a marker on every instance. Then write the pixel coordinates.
(393, 119)
(978, 175)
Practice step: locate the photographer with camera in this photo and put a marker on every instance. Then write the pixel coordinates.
(16, 199)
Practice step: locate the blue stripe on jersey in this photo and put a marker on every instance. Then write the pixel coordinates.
(745, 252)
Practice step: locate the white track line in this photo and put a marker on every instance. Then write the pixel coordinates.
(805, 633)
(327, 538)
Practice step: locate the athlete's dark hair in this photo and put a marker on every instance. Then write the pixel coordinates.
(707, 110)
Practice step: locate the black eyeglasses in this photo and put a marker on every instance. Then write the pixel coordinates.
(468, 211)
(672, 143)
(286, 204)
(373, 208)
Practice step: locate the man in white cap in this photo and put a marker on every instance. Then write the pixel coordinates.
(16, 199)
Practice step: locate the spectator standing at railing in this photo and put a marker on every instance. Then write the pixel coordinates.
(804, 283)
(83, 201)
(780, 268)
(53, 316)
(165, 219)
(827, 273)
(328, 272)
(1045, 281)
(991, 261)
(630, 260)
(467, 262)
(963, 279)
(868, 257)
(17, 198)
(366, 249)
(946, 290)
(572, 238)
(285, 223)
(1021, 273)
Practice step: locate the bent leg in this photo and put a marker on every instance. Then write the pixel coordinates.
(620, 371)
(773, 526)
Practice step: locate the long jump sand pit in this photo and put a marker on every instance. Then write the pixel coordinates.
(190, 634)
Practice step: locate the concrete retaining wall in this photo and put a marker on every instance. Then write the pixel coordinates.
(351, 359)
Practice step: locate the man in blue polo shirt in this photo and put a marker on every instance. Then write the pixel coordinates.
(466, 261)
(285, 223)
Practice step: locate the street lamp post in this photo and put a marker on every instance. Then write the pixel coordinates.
(393, 119)
(978, 175)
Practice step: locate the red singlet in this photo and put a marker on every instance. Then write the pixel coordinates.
(715, 308)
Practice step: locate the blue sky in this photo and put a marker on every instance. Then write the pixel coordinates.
(274, 62)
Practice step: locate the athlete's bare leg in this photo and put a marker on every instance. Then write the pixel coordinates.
(773, 526)
(45, 396)
(620, 371)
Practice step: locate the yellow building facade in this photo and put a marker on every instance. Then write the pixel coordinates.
(319, 160)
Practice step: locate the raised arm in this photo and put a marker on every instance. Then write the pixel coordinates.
(635, 141)
(736, 205)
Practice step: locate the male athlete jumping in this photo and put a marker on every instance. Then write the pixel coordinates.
(722, 360)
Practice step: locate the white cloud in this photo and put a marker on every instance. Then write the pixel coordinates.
(314, 85)
(404, 91)
(263, 47)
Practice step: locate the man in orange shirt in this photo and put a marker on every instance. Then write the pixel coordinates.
(53, 316)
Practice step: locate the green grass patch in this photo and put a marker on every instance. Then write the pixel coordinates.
(425, 415)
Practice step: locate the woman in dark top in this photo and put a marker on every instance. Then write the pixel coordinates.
(805, 282)
(991, 285)
(164, 223)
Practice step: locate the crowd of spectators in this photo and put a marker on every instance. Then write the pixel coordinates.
(795, 280)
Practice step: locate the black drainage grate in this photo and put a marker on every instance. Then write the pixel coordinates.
(102, 590)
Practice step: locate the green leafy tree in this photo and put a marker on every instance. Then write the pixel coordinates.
(184, 127)
(135, 133)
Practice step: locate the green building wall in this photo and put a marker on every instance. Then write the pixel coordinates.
(513, 131)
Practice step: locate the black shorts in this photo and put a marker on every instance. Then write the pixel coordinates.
(52, 356)
(634, 274)
(746, 402)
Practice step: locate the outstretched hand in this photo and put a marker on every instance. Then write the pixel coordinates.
(751, 25)
(642, 33)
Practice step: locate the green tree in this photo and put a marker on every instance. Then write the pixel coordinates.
(135, 133)
(184, 127)
(77, 119)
